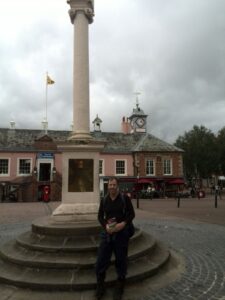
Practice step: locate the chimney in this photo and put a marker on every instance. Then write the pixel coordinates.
(125, 125)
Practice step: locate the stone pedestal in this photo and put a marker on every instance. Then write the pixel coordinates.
(80, 181)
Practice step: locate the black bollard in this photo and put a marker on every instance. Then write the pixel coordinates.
(178, 200)
(137, 199)
(215, 199)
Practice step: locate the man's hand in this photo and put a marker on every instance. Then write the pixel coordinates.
(116, 228)
(119, 226)
(110, 230)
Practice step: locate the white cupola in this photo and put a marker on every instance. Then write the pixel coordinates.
(97, 123)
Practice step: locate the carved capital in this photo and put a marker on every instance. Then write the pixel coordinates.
(85, 6)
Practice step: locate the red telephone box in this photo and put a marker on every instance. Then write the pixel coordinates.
(46, 193)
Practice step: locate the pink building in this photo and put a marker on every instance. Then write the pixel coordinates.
(31, 167)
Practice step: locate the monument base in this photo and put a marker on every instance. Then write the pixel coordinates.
(80, 181)
(76, 212)
(60, 258)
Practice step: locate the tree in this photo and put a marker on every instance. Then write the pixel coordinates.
(221, 150)
(200, 152)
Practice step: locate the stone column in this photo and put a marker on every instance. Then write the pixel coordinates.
(81, 14)
(80, 154)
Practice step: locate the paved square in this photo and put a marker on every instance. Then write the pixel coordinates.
(195, 232)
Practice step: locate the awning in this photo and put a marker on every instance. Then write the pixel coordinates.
(125, 179)
(146, 180)
(176, 181)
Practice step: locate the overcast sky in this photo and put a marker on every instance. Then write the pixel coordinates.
(173, 52)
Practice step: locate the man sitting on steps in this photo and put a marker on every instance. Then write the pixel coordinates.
(115, 214)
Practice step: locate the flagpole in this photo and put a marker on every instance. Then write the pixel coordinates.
(48, 81)
(45, 121)
(46, 97)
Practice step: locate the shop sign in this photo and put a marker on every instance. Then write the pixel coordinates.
(46, 155)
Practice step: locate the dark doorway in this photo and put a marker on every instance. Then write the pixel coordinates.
(45, 172)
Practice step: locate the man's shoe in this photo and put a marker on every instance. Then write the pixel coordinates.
(100, 290)
(118, 291)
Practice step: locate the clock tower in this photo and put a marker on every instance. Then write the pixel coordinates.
(138, 120)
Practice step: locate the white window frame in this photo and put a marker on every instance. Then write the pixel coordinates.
(103, 167)
(147, 167)
(125, 167)
(165, 166)
(18, 166)
(9, 163)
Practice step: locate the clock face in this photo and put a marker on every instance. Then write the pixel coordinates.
(140, 122)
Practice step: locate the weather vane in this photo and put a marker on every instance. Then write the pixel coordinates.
(137, 99)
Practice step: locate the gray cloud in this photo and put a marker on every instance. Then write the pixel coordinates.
(170, 51)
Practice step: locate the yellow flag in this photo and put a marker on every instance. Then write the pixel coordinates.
(49, 80)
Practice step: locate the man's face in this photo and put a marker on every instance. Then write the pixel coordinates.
(112, 187)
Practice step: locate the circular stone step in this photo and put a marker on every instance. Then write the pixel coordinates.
(62, 257)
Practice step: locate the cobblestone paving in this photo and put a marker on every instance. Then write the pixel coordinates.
(10, 231)
(203, 248)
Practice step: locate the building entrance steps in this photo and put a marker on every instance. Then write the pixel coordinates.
(63, 257)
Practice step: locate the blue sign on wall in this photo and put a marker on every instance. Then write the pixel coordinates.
(46, 155)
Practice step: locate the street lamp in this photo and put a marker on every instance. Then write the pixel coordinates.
(137, 194)
(35, 171)
(53, 173)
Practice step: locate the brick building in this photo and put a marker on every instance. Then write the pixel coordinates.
(31, 166)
